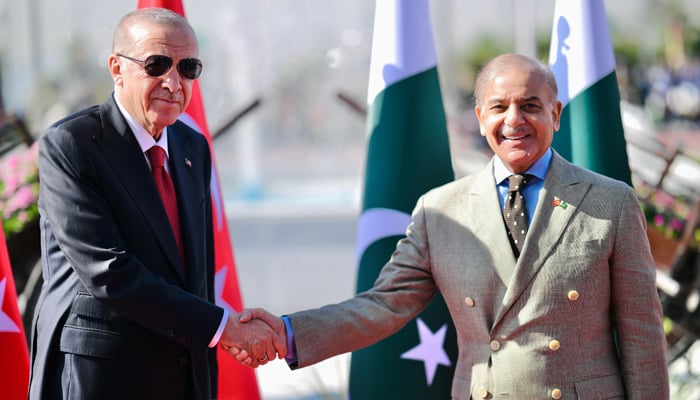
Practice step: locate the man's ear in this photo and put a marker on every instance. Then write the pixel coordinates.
(115, 69)
(477, 111)
(556, 115)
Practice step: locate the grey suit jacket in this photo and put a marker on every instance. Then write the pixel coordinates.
(121, 315)
(528, 329)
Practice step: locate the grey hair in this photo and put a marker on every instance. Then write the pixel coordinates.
(153, 16)
(512, 60)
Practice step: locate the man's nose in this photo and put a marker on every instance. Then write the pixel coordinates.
(172, 79)
(514, 116)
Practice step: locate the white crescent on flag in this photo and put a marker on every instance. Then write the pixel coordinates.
(378, 223)
(6, 323)
(390, 63)
(575, 58)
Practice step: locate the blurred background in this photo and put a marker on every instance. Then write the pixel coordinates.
(284, 87)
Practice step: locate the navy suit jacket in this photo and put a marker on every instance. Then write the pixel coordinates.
(120, 315)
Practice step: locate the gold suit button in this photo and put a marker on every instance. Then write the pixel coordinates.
(483, 393)
(556, 394)
(554, 345)
(495, 345)
(572, 295)
(469, 301)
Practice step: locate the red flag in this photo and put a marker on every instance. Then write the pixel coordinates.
(236, 382)
(14, 355)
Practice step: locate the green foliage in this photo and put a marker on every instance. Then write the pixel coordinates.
(667, 213)
(486, 48)
(19, 190)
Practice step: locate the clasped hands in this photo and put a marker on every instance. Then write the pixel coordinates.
(254, 337)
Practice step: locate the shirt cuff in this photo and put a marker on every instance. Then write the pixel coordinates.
(220, 331)
(291, 356)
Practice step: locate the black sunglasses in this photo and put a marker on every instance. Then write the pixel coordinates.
(158, 65)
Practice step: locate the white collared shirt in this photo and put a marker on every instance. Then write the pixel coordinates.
(532, 190)
(145, 140)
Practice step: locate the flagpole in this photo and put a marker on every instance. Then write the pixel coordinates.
(524, 27)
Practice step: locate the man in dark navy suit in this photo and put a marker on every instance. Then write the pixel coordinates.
(127, 308)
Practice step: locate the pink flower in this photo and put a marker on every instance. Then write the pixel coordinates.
(664, 199)
(11, 162)
(676, 224)
(659, 220)
(10, 186)
(19, 188)
(22, 216)
(22, 199)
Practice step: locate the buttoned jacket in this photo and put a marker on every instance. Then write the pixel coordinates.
(121, 315)
(576, 316)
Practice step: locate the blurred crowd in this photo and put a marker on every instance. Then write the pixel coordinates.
(668, 94)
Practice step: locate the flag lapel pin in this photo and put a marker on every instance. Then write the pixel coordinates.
(559, 203)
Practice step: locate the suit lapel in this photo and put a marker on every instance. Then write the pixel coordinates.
(548, 225)
(489, 223)
(181, 171)
(122, 151)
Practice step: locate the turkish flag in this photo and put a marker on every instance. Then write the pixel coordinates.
(236, 382)
(14, 355)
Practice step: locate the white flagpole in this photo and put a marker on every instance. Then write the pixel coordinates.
(524, 27)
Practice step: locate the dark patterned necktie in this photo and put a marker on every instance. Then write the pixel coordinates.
(515, 213)
(167, 193)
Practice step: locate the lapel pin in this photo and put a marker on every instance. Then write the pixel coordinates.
(559, 203)
(188, 163)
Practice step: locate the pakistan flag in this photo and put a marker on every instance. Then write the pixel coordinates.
(582, 59)
(408, 154)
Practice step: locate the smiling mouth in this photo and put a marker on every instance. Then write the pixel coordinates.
(520, 137)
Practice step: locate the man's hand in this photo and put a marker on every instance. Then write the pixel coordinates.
(254, 342)
(257, 315)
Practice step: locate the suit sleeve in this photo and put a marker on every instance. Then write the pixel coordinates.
(403, 289)
(94, 222)
(636, 308)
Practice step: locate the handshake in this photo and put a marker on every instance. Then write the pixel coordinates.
(254, 337)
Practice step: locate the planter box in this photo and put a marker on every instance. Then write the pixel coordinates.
(663, 249)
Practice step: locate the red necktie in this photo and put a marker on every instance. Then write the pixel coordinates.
(167, 193)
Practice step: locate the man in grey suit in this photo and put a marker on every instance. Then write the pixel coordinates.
(127, 307)
(570, 313)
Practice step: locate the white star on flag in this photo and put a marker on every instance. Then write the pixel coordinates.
(219, 284)
(6, 323)
(430, 350)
